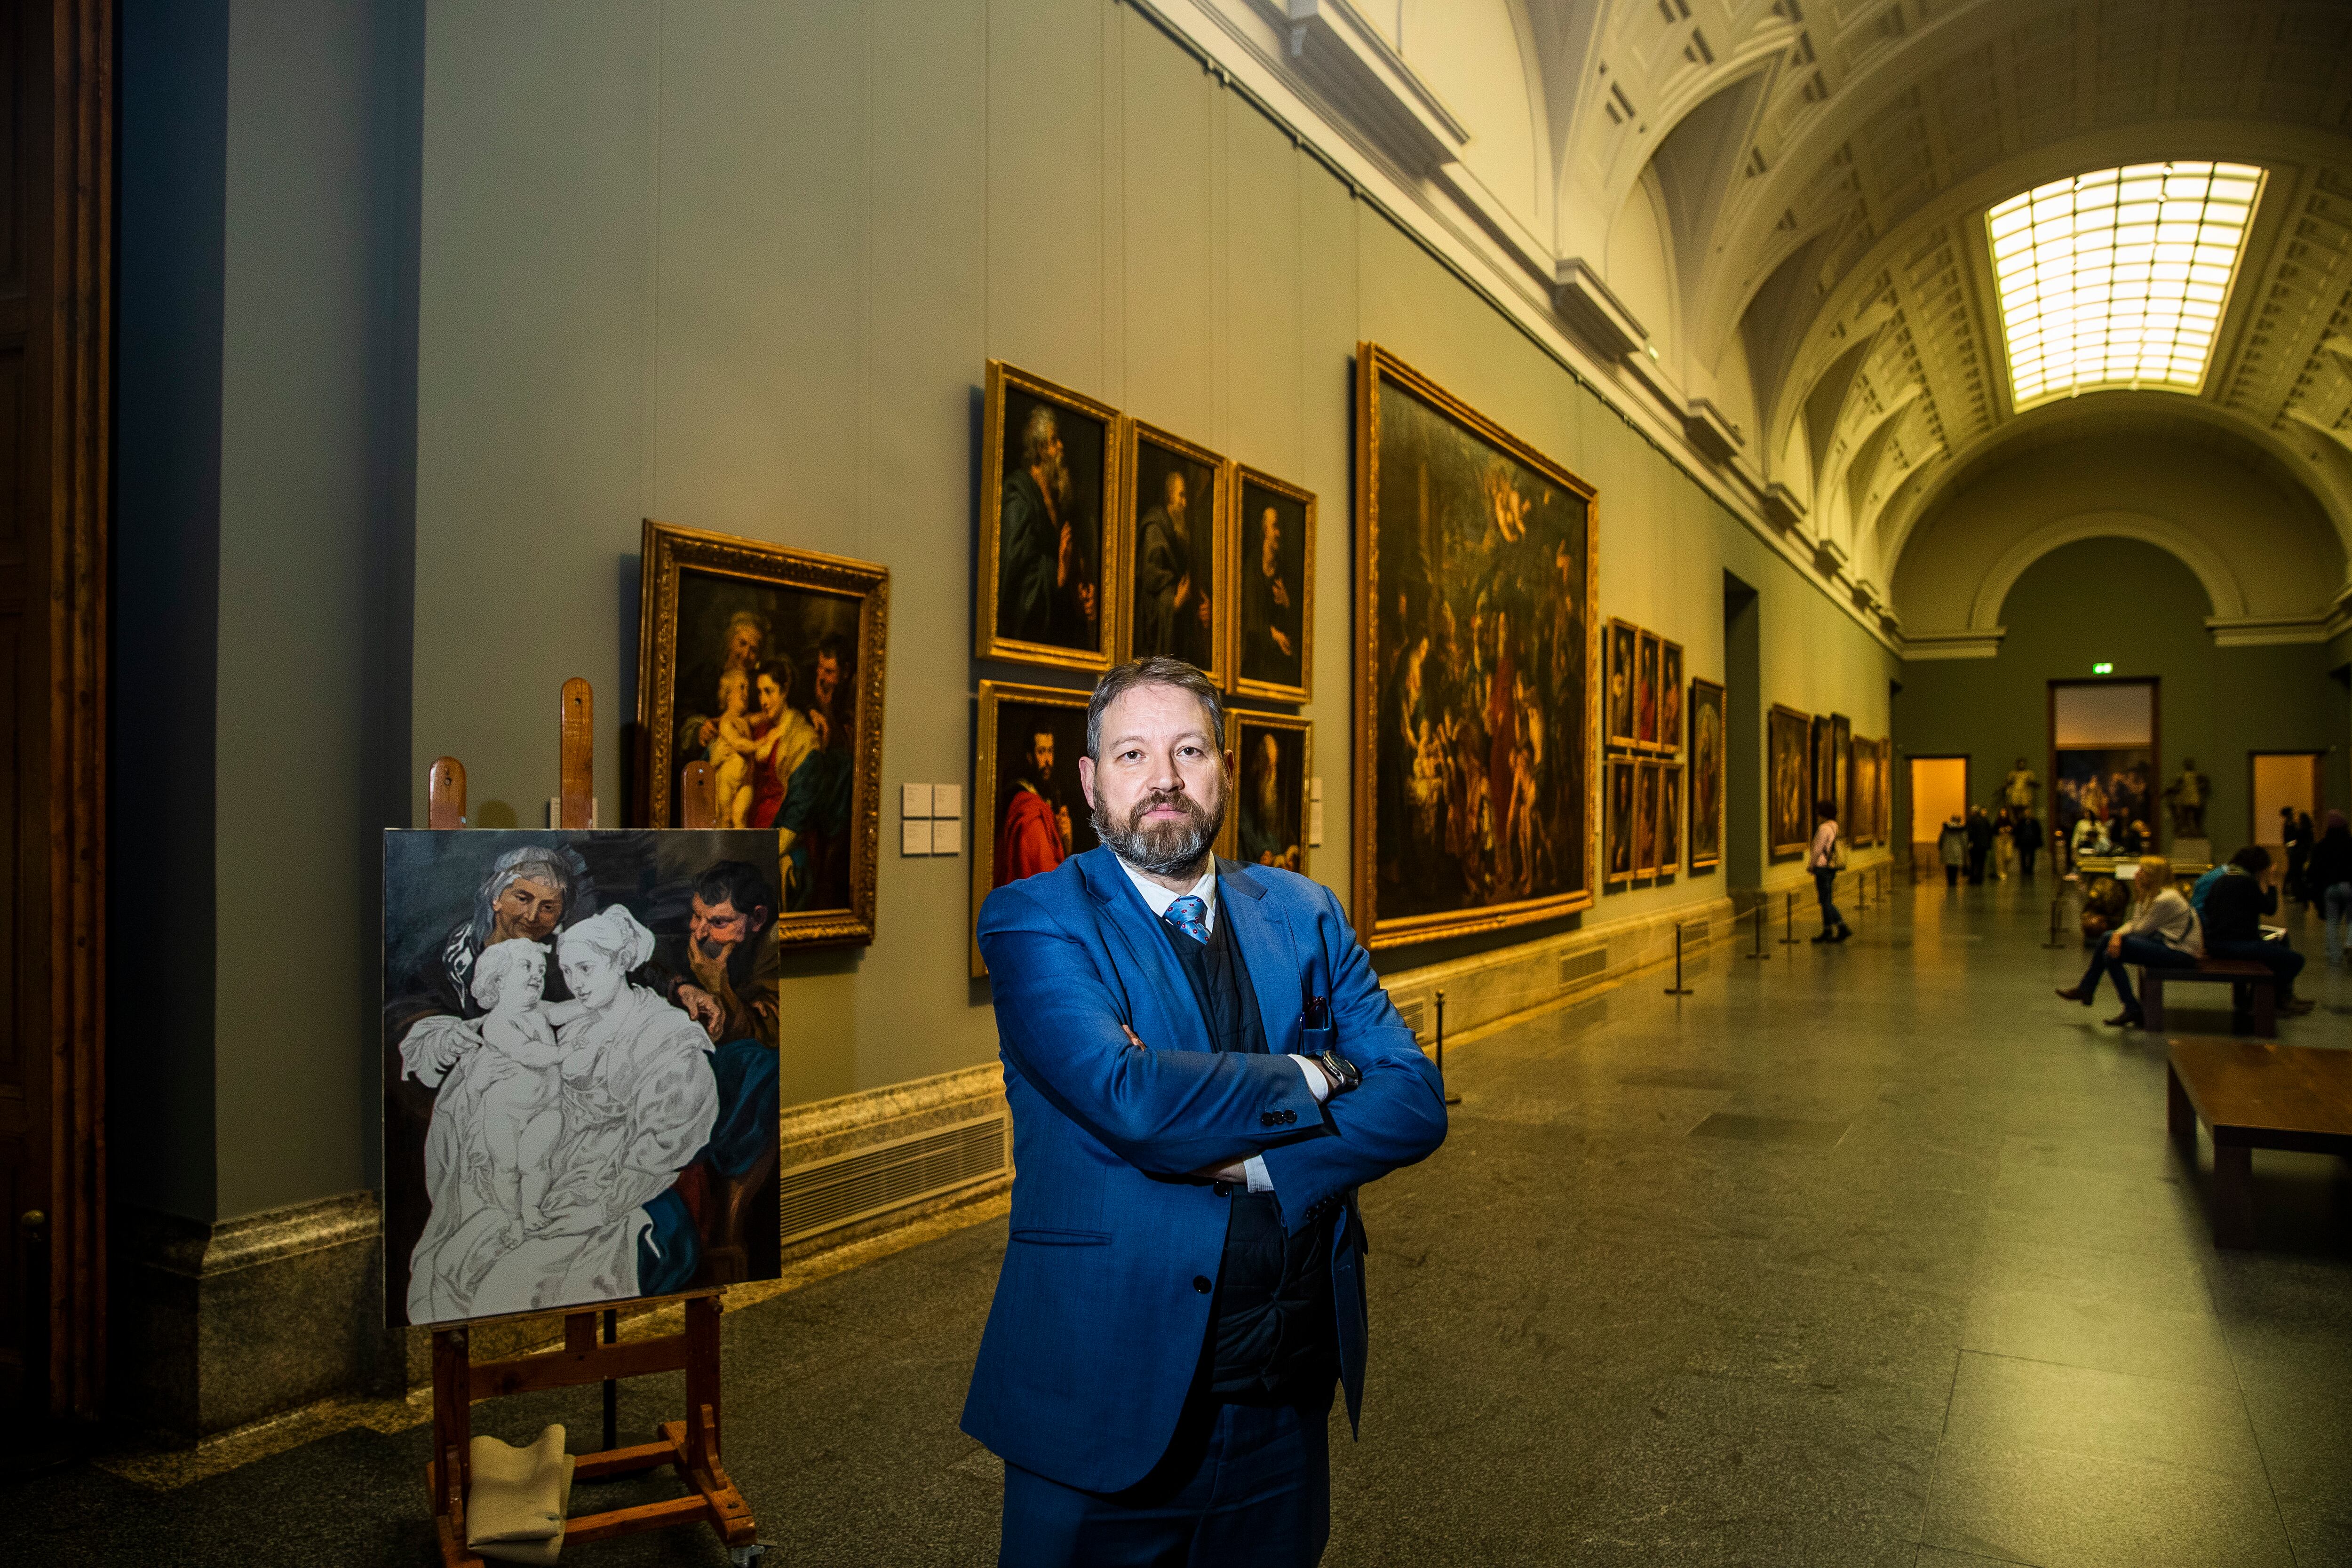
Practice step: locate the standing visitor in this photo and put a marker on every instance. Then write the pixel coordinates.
(1952, 849)
(2162, 932)
(1980, 832)
(2246, 890)
(2299, 847)
(1825, 860)
(2004, 844)
(2331, 876)
(2029, 842)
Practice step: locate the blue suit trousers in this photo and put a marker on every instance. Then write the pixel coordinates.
(1243, 1486)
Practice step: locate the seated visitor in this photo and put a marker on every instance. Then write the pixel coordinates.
(2133, 839)
(2161, 932)
(2234, 908)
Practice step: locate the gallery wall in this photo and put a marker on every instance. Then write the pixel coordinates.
(741, 268)
(2128, 604)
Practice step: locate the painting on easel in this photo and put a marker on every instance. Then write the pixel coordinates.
(580, 1037)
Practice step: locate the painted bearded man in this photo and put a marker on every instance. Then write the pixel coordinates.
(1033, 833)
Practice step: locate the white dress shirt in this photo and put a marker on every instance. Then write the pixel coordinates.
(1157, 898)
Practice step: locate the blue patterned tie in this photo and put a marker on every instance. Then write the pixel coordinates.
(1190, 915)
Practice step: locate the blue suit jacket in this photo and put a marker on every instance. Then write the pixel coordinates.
(1099, 1322)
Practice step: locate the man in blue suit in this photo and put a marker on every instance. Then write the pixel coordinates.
(1203, 1069)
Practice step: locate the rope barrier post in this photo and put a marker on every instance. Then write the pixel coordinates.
(1756, 909)
(1451, 1098)
(2056, 903)
(1789, 923)
(1678, 988)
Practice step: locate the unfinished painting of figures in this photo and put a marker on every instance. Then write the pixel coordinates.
(581, 1066)
(1476, 683)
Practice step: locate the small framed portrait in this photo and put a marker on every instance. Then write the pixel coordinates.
(766, 663)
(1645, 819)
(1707, 762)
(1670, 697)
(1049, 491)
(1267, 823)
(1029, 813)
(1645, 692)
(1274, 587)
(1171, 547)
(1623, 637)
(1620, 822)
(1670, 818)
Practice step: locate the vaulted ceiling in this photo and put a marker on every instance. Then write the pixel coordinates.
(1764, 219)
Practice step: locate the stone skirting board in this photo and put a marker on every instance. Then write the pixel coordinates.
(1490, 986)
(218, 1325)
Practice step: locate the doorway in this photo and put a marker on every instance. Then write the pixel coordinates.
(2104, 747)
(1940, 790)
(2283, 780)
(1743, 736)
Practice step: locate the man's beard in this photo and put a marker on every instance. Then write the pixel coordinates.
(1163, 848)
(1054, 480)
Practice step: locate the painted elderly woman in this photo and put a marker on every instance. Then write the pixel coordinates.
(638, 1102)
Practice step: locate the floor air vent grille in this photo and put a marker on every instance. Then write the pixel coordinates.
(826, 1194)
(1576, 966)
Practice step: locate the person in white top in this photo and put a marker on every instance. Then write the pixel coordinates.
(1822, 859)
(2162, 932)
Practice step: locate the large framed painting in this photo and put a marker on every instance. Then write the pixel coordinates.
(1029, 813)
(1788, 815)
(1273, 756)
(1645, 692)
(1619, 849)
(1049, 494)
(1670, 818)
(1866, 765)
(1670, 697)
(1172, 548)
(1474, 668)
(1707, 762)
(1645, 819)
(580, 1056)
(767, 663)
(1821, 778)
(1842, 766)
(1273, 573)
(1886, 817)
(1623, 639)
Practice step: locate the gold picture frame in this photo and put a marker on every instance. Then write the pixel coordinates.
(1787, 781)
(1671, 692)
(1043, 622)
(999, 774)
(1149, 454)
(1645, 819)
(1624, 642)
(1542, 523)
(1705, 781)
(1245, 574)
(1670, 840)
(1256, 825)
(1619, 810)
(789, 620)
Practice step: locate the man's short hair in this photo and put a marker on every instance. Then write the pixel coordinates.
(736, 883)
(2254, 860)
(1042, 430)
(1156, 670)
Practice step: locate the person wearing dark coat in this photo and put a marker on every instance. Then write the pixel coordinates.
(2234, 908)
(1980, 832)
(2331, 882)
(1952, 849)
(2028, 833)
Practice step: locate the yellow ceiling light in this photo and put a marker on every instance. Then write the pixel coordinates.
(2119, 277)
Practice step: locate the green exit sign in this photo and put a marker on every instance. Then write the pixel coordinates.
(2103, 667)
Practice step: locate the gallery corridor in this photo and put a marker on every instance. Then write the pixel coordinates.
(1871, 1255)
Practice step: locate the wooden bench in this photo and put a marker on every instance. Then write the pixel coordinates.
(2254, 1096)
(2234, 972)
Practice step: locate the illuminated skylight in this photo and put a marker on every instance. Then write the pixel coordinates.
(2119, 278)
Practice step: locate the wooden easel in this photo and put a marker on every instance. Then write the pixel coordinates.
(691, 1446)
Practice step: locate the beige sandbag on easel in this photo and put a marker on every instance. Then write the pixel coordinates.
(516, 1507)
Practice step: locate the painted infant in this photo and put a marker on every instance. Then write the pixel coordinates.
(732, 749)
(523, 1086)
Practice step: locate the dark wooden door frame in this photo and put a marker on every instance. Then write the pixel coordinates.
(2155, 684)
(63, 317)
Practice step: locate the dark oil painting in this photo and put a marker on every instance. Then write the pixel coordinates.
(1175, 545)
(1270, 809)
(1788, 813)
(1030, 814)
(1051, 457)
(1620, 821)
(1476, 683)
(1275, 594)
(1707, 761)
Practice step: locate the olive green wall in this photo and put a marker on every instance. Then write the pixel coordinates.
(2132, 604)
(739, 267)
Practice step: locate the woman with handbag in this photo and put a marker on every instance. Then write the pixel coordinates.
(1827, 858)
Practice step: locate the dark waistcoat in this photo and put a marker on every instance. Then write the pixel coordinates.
(1272, 1337)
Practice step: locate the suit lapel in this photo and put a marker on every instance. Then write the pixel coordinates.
(1264, 939)
(1132, 927)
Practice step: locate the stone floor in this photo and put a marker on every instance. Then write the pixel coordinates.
(1873, 1255)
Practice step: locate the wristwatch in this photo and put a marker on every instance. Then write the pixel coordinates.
(1344, 1073)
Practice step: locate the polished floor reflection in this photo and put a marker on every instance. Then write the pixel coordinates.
(1871, 1254)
